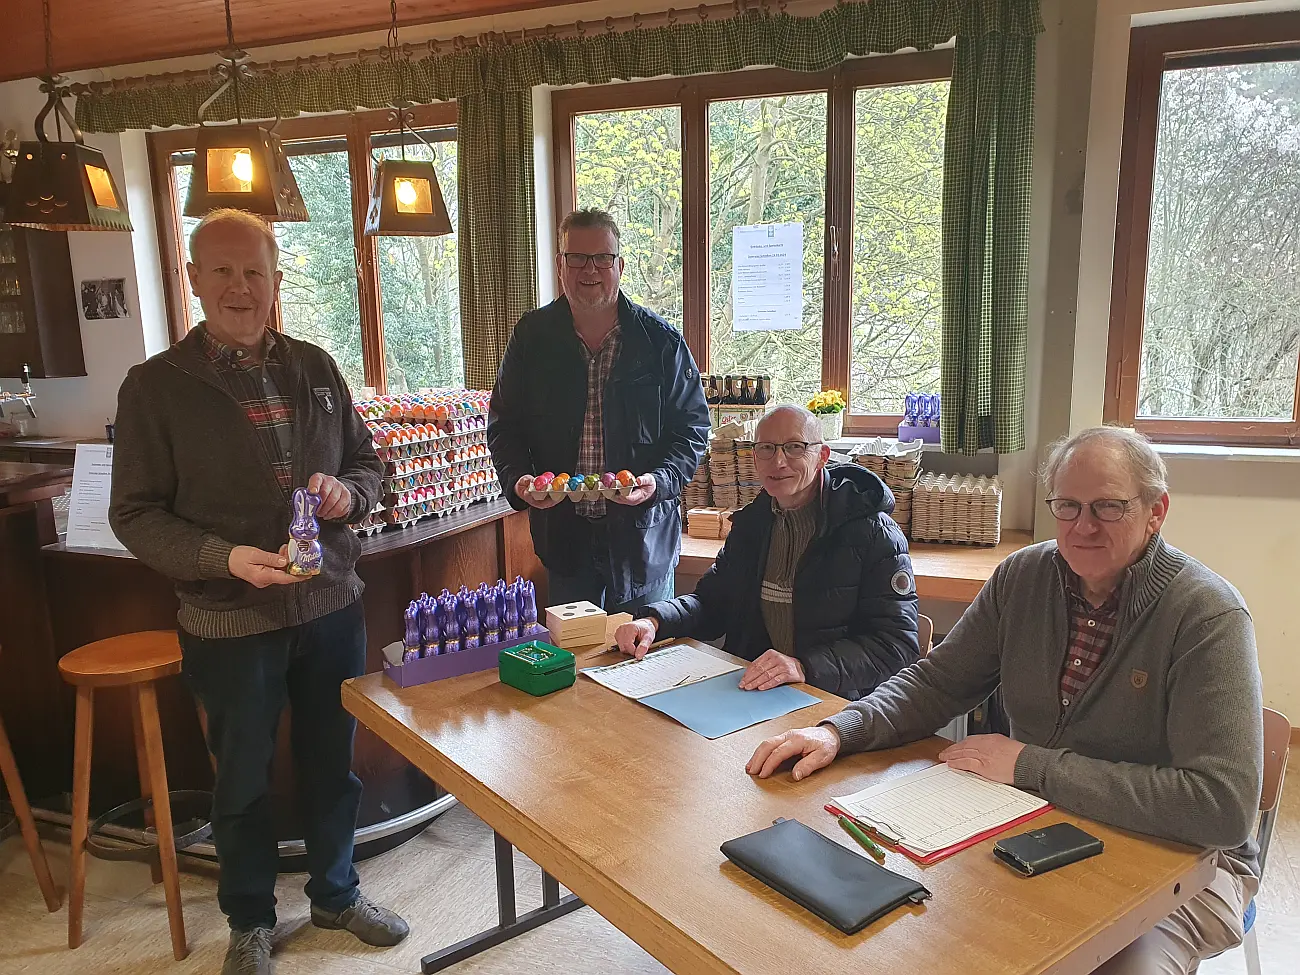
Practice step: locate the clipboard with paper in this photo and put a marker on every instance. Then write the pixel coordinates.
(934, 813)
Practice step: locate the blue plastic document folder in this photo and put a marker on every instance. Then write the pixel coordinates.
(717, 706)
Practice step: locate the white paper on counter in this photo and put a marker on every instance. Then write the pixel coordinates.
(92, 480)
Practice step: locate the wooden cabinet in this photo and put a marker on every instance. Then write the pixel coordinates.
(39, 326)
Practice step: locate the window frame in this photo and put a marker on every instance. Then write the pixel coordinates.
(1152, 51)
(356, 128)
(693, 95)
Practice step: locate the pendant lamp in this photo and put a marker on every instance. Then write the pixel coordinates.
(243, 165)
(405, 198)
(62, 185)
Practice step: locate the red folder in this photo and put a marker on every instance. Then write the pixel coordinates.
(947, 851)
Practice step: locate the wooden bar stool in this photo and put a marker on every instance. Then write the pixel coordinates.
(26, 825)
(137, 661)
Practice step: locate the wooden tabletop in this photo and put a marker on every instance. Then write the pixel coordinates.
(20, 483)
(949, 572)
(627, 809)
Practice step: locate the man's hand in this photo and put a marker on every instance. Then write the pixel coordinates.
(771, 670)
(522, 488)
(991, 756)
(634, 638)
(818, 747)
(643, 489)
(335, 498)
(260, 568)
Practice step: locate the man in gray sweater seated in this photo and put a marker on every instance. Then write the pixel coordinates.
(1130, 678)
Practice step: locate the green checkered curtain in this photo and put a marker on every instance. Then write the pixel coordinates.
(756, 38)
(498, 247)
(988, 154)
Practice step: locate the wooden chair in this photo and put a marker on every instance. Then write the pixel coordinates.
(26, 824)
(925, 634)
(1277, 745)
(136, 661)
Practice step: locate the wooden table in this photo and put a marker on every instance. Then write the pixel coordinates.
(955, 573)
(627, 809)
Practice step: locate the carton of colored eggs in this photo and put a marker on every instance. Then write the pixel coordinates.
(580, 487)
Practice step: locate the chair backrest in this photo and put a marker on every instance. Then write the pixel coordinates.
(1277, 743)
(925, 634)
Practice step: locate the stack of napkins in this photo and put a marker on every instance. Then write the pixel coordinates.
(577, 624)
(708, 523)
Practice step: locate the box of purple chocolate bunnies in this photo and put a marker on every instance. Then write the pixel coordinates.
(422, 670)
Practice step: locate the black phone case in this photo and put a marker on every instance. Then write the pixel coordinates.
(1045, 849)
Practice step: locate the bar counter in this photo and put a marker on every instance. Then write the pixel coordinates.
(95, 593)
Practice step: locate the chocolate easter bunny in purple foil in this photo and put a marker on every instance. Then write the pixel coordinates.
(411, 637)
(510, 622)
(430, 632)
(450, 624)
(467, 617)
(528, 609)
(489, 621)
(305, 555)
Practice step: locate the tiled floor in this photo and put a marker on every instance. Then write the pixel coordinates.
(443, 883)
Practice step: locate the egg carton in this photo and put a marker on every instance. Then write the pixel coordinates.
(438, 462)
(427, 448)
(586, 494)
(423, 478)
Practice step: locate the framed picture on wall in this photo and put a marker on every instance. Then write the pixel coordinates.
(105, 298)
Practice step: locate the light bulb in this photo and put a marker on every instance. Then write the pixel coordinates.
(406, 194)
(242, 166)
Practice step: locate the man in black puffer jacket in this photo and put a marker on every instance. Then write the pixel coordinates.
(814, 583)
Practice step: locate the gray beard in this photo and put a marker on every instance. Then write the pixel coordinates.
(602, 303)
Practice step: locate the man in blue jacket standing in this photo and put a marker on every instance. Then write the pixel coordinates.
(592, 383)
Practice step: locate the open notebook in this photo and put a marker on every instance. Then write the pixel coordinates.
(934, 813)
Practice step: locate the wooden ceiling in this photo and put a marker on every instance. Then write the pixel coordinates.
(100, 33)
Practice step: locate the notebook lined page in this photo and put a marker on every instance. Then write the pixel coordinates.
(938, 807)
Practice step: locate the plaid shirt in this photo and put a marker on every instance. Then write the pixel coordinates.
(1092, 630)
(591, 448)
(259, 388)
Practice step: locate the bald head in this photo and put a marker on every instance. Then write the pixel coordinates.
(789, 422)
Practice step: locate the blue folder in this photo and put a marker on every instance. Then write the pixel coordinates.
(717, 706)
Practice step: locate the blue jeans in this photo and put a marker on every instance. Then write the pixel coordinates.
(243, 684)
(589, 584)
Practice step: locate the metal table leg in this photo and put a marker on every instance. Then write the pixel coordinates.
(510, 925)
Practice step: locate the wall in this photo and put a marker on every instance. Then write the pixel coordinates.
(81, 407)
(1240, 517)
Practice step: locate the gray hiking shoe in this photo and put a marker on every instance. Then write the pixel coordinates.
(249, 953)
(374, 925)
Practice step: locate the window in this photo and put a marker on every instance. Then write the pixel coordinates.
(419, 285)
(630, 163)
(767, 164)
(386, 308)
(1205, 316)
(853, 157)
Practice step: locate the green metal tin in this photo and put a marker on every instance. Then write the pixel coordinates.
(537, 668)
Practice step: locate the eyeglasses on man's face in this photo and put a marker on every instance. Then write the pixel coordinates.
(602, 261)
(1103, 509)
(793, 449)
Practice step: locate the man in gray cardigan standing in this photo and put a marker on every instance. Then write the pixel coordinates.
(213, 436)
(1130, 677)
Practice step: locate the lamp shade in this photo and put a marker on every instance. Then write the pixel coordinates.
(406, 201)
(64, 186)
(244, 167)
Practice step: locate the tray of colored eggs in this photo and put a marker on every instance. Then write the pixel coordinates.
(581, 487)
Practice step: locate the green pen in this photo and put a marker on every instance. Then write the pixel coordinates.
(863, 839)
